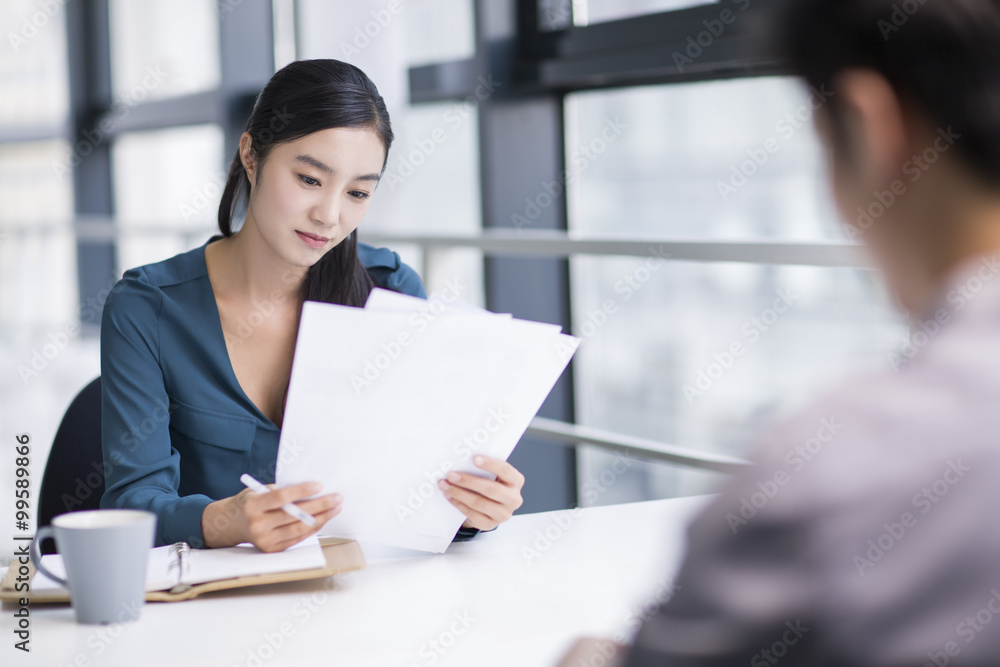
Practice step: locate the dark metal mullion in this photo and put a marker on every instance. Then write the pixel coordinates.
(663, 28)
(194, 109)
(649, 67)
(88, 51)
(245, 66)
(34, 133)
(521, 148)
(649, 49)
(443, 82)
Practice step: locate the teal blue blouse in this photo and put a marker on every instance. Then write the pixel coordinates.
(177, 428)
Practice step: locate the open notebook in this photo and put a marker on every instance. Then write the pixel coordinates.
(174, 572)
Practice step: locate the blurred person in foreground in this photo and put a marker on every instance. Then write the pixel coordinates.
(867, 532)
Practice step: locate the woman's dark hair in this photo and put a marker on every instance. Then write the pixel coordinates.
(301, 98)
(942, 56)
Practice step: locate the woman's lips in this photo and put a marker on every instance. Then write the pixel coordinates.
(312, 240)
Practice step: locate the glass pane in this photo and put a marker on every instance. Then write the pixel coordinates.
(720, 160)
(33, 64)
(408, 32)
(431, 182)
(439, 31)
(586, 12)
(38, 288)
(703, 355)
(164, 49)
(709, 161)
(283, 12)
(556, 14)
(171, 180)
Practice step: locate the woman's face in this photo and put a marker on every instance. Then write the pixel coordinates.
(311, 193)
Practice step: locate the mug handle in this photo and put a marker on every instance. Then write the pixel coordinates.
(41, 534)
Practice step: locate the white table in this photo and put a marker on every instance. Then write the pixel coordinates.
(517, 596)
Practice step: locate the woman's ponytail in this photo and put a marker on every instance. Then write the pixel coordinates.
(236, 191)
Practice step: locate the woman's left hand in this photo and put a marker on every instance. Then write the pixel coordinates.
(485, 503)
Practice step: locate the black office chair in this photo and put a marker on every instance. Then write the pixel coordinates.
(74, 473)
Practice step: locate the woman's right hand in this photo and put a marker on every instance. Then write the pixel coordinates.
(258, 518)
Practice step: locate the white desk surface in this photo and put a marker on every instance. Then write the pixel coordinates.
(481, 603)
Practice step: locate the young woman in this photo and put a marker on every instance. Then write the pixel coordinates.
(196, 350)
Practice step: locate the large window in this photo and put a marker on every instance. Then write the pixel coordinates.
(707, 145)
(177, 41)
(732, 160)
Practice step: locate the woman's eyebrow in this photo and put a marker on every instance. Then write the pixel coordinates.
(322, 166)
(310, 160)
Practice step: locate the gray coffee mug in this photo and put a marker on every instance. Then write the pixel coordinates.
(105, 553)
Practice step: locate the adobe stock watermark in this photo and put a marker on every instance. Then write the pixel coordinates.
(434, 648)
(924, 330)
(581, 159)
(40, 357)
(102, 637)
(914, 168)
(121, 107)
(967, 630)
(562, 521)
(714, 29)
(779, 648)
(208, 195)
(376, 364)
(638, 615)
(796, 459)
(752, 330)
(555, 14)
(302, 611)
(462, 450)
(454, 117)
(899, 17)
(36, 22)
(262, 310)
(626, 287)
(365, 34)
(226, 7)
(924, 501)
(205, 197)
(758, 157)
(605, 650)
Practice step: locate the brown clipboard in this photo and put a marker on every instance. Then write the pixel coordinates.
(341, 556)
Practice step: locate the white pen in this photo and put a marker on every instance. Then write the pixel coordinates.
(291, 508)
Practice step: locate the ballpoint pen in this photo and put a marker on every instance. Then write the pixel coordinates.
(293, 509)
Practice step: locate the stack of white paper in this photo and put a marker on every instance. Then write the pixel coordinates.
(385, 401)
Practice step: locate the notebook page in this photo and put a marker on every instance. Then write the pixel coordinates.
(207, 564)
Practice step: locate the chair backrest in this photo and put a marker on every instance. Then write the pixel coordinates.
(74, 472)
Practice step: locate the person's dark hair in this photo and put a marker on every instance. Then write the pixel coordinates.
(942, 56)
(301, 98)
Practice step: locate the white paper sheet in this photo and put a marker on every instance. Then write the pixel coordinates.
(384, 401)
